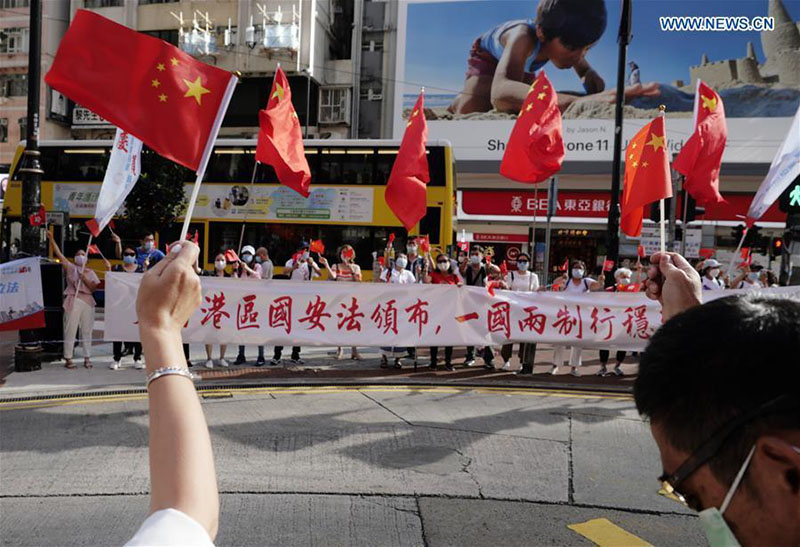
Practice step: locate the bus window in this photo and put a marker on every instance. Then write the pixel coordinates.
(74, 164)
(173, 232)
(431, 223)
(228, 164)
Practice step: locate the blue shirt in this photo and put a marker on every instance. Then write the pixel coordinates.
(490, 41)
(141, 255)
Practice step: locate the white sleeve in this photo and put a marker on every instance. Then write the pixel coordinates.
(266, 268)
(534, 281)
(170, 527)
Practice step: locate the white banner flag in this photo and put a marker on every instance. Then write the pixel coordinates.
(122, 172)
(297, 313)
(784, 169)
(21, 301)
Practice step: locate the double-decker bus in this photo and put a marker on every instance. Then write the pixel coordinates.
(346, 205)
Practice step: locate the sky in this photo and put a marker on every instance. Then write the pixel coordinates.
(439, 36)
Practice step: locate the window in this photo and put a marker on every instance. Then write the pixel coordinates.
(4, 4)
(3, 129)
(169, 35)
(13, 85)
(158, 1)
(91, 4)
(334, 105)
(23, 128)
(14, 40)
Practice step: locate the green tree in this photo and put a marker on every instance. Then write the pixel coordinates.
(158, 197)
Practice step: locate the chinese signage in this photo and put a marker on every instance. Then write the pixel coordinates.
(369, 314)
(21, 301)
(77, 199)
(84, 117)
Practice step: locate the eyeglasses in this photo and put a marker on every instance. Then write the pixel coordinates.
(130, 254)
(710, 448)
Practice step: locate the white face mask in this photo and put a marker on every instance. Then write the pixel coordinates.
(443, 266)
(753, 276)
(80, 260)
(412, 249)
(402, 262)
(305, 255)
(219, 264)
(522, 266)
(475, 259)
(625, 280)
(577, 273)
(148, 246)
(247, 258)
(714, 272)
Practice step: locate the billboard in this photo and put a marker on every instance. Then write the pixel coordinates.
(454, 48)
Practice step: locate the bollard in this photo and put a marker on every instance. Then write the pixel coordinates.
(27, 358)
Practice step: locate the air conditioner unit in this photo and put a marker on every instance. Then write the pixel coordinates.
(376, 97)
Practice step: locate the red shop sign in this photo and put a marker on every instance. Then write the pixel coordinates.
(506, 238)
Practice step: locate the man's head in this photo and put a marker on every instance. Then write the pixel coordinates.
(475, 255)
(262, 255)
(568, 28)
(148, 241)
(704, 369)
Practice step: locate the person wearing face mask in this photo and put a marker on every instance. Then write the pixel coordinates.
(78, 303)
(248, 268)
(301, 267)
(729, 440)
(474, 273)
(348, 271)
(219, 271)
(443, 274)
(710, 276)
(398, 274)
(748, 278)
(262, 259)
(768, 278)
(624, 282)
(576, 282)
(522, 280)
(128, 265)
(147, 255)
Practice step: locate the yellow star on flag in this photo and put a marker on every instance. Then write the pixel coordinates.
(645, 164)
(160, 67)
(709, 102)
(656, 141)
(195, 89)
(529, 107)
(162, 98)
(633, 145)
(174, 61)
(279, 92)
(636, 164)
(155, 83)
(541, 96)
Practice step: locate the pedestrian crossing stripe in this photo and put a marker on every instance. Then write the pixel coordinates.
(605, 533)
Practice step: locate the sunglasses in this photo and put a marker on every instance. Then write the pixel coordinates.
(130, 254)
(670, 483)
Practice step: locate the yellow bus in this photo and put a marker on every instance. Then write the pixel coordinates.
(346, 205)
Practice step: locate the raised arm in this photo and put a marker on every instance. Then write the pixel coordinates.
(324, 262)
(117, 245)
(182, 473)
(56, 251)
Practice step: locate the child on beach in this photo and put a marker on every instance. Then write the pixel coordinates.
(503, 61)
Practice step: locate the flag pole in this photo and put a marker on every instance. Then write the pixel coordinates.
(252, 181)
(662, 220)
(80, 273)
(736, 252)
(212, 136)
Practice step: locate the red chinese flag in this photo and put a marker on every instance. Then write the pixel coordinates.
(647, 177)
(700, 158)
(747, 256)
(280, 140)
(535, 148)
(231, 256)
(608, 265)
(503, 269)
(39, 217)
(640, 252)
(143, 85)
(317, 246)
(196, 237)
(406, 191)
(95, 250)
(706, 253)
(424, 243)
(565, 266)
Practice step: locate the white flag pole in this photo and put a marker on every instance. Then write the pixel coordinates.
(736, 253)
(662, 223)
(201, 171)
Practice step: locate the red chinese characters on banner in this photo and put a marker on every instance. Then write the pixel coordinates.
(599, 320)
(214, 312)
(565, 322)
(246, 317)
(385, 317)
(280, 313)
(315, 313)
(349, 318)
(418, 313)
(533, 321)
(636, 323)
(498, 318)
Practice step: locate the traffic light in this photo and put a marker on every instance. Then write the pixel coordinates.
(737, 232)
(776, 249)
(693, 210)
(753, 237)
(655, 213)
(789, 202)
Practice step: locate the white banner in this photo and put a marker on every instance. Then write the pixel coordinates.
(784, 170)
(376, 314)
(21, 301)
(122, 172)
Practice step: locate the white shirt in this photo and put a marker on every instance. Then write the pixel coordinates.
(170, 527)
(583, 286)
(522, 281)
(712, 284)
(266, 269)
(745, 284)
(302, 272)
(402, 277)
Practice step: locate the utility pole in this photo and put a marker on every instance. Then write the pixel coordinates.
(612, 234)
(31, 173)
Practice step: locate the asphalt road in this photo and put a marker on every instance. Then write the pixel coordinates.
(353, 466)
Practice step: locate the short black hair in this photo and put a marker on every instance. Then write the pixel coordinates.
(577, 23)
(476, 249)
(705, 366)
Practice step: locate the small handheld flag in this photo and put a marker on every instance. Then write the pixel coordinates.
(39, 217)
(317, 246)
(231, 256)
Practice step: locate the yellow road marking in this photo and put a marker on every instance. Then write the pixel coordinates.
(605, 533)
(309, 390)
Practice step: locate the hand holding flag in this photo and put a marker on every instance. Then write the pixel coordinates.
(317, 246)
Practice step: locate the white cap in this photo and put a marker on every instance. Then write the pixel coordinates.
(711, 263)
(248, 249)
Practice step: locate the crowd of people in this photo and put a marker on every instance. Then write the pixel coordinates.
(419, 264)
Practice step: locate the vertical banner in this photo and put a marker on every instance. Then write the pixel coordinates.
(21, 300)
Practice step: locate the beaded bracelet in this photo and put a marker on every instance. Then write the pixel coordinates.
(166, 371)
